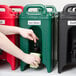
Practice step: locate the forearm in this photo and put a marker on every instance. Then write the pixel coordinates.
(8, 30)
(9, 47)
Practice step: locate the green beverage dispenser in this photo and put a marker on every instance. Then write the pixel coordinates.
(40, 22)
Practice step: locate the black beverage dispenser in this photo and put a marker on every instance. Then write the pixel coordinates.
(67, 37)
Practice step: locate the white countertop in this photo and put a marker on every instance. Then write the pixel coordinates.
(5, 70)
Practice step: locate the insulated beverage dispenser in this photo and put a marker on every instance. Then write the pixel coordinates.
(7, 17)
(40, 23)
(67, 37)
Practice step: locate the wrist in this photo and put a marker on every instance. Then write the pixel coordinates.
(23, 56)
(18, 30)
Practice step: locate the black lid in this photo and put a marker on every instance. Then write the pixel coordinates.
(69, 11)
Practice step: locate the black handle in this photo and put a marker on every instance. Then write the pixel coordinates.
(70, 9)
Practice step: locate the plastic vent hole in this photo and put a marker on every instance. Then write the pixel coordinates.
(74, 9)
(2, 9)
(33, 10)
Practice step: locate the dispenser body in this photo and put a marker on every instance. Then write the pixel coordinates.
(7, 17)
(67, 37)
(41, 25)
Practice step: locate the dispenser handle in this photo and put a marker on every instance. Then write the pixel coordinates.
(51, 7)
(17, 7)
(7, 9)
(70, 9)
(27, 7)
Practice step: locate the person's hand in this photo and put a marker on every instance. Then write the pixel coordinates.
(31, 59)
(28, 33)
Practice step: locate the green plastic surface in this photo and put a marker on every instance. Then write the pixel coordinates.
(1, 52)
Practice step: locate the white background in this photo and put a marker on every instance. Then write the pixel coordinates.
(5, 69)
(58, 3)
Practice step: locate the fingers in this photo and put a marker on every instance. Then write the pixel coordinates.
(30, 38)
(35, 64)
(37, 59)
(34, 36)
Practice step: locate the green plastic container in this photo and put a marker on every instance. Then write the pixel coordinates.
(41, 23)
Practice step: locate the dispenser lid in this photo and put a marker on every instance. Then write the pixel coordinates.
(69, 12)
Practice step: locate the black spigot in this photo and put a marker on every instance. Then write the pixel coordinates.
(36, 48)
